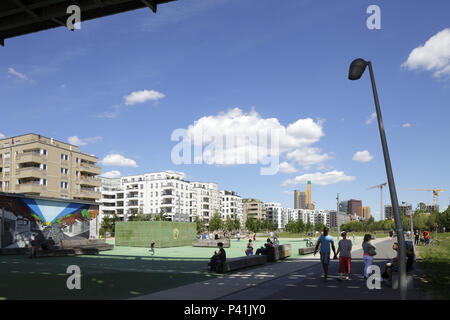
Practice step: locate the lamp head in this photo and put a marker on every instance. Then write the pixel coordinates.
(357, 68)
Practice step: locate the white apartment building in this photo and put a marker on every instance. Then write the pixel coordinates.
(164, 191)
(314, 216)
(108, 200)
(278, 214)
(231, 205)
(205, 200)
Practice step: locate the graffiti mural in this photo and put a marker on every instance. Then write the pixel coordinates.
(58, 219)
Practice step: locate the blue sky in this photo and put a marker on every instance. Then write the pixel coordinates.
(199, 59)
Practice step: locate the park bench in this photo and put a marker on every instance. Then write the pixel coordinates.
(278, 252)
(99, 244)
(61, 252)
(13, 251)
(307, 250)
(211, 243)
(234, 264)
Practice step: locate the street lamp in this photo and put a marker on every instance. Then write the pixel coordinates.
(357, 69)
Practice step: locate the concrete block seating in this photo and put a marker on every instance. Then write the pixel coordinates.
(211, 243)
(276, 253)
(395, 281)
(99, 244)
(13, 251)
(307, 250)
(279, 252)
(241, 263)
(61, 252)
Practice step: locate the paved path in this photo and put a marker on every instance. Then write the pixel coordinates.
(293, 279)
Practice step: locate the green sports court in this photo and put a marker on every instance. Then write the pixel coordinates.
(121, 273)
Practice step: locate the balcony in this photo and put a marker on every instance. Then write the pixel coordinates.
(90, 181)
(31, 157)
(91, 168)
(30, 172)
(89, 193)
(132, 195)
(30, 187)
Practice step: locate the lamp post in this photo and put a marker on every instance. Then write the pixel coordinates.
(337, 218)
(357, 69)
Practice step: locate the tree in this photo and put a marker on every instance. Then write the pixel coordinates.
(252, 224)
(199, 224)
(229, 224)
(237, 223)
(216, 222)
(108, 225)
(160, 216)
(319, 227)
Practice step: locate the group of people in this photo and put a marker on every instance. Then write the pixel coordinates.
(325, 241)
(39, 242)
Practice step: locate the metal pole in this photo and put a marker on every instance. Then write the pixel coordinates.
(392, 191)
(3, 228)
(337, 217)
(381, 203)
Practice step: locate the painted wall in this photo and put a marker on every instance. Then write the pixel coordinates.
(60, 220)
(165, 233)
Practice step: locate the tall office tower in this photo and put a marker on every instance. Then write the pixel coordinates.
(297, 199)
(35, 165)
(354, 207)
(364, 212)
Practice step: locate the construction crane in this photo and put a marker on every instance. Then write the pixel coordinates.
(381, 197)
(436, 192)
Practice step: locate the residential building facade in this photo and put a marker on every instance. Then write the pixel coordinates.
(34, 165)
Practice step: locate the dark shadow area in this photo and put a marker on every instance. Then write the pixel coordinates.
(102, 276)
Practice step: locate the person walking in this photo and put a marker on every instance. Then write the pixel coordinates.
(345, 256)
(324, 242)
(368, 253)
(416, 237)
(238, 236)
(152, 247)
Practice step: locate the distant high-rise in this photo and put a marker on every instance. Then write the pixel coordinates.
(354, 207)
(364, 212)
(302, 200)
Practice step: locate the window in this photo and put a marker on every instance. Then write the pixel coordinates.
(44, 182)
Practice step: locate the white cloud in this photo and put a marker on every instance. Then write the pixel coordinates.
(117, 160)
(19, 75)
(307, 157)
(319, 178)
(286, 167)
(111, 174)
(372, 117)
(246, 134)
(362, 156)
(406, 125)
(2, 136)
(133, 98)
(142, 96)
(75, 140)
(433, 56)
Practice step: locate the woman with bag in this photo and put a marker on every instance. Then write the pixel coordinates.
(368, 254)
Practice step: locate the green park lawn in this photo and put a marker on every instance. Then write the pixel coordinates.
(435, 263)
(124, 272)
